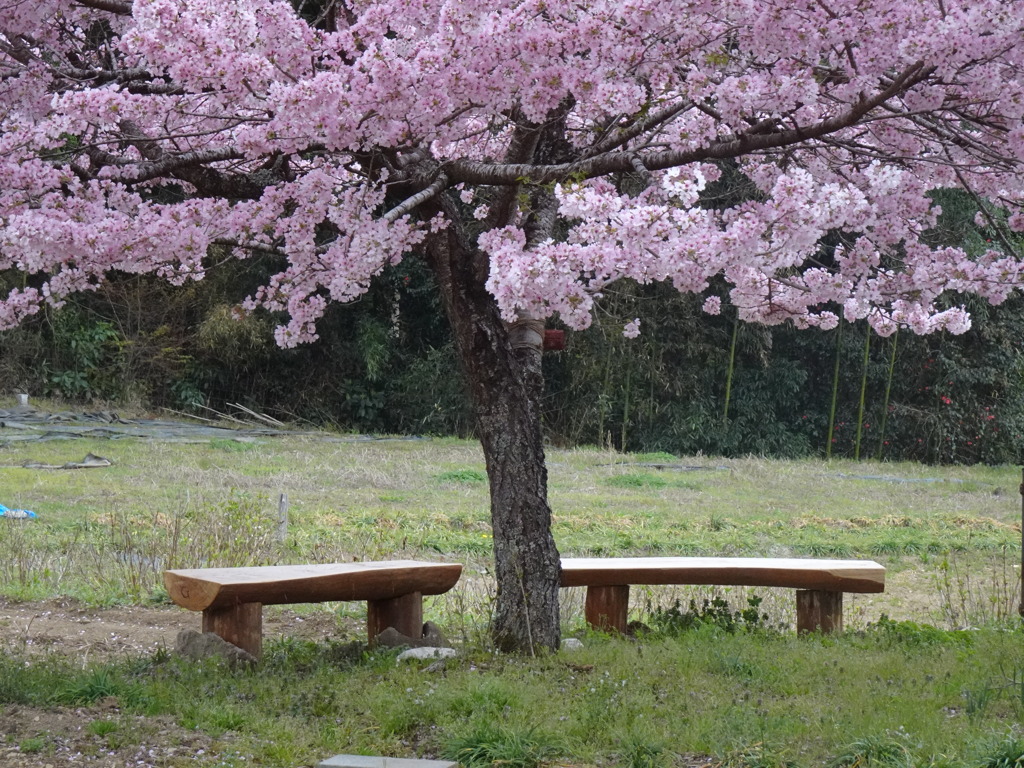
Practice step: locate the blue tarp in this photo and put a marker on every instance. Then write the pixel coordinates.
(18, 514)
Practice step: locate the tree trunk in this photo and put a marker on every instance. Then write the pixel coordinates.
(504, 378)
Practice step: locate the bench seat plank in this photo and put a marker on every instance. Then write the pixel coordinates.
(824, 575)
(202, 588)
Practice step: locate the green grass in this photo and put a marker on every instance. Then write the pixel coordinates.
(899, 691)
(463, 476)
(32, 745)
(637, 480)
(105, 535)
(882, 697)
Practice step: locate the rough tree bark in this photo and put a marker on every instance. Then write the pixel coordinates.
(504, 392)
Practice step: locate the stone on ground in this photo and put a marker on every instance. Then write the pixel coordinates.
(373, 761)
(204, 645)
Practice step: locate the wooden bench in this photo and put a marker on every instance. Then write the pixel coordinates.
(820, 584)
(232, 599)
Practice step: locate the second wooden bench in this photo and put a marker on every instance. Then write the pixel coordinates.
(232, 599)
(820, 584)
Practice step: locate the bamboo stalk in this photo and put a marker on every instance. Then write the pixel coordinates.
(732, 367)
(625, 408)
(603, 399)
(888, 390)
(835, 392)
(863, 390)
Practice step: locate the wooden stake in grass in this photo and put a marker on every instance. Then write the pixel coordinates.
(282, 518)
(863, 389)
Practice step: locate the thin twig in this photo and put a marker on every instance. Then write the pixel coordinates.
(188, 415)
(223, 415)
(261, 416)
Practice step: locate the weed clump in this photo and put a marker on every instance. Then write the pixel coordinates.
(887, 751)
(914, 635)
(1008, 753)
(488, 744)
(715, 612)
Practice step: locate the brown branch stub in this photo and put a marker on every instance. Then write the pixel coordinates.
(641, 169)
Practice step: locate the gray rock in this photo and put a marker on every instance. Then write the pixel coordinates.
(204, 645)
(372, 761)
(572, 644)
(431, 638)
(427, 653)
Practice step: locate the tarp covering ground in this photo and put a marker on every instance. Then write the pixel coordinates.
(26, 423)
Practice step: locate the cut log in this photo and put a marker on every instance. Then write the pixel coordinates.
(819, 611)
(830, 575)
(200, 588)
(232, 599)
(606, 608)
(404, 613)
(240, 625)
(819, 583)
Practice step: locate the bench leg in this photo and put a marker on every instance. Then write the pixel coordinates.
(819, 611)
(606, 607)
(404, 613)
(240, 625)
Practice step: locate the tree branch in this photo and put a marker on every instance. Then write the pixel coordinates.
(641, 170)
(521, 148)
(622, 136)
(191, 167)
(993, 224)
(473, 172)
(120, 7)
(438, 186)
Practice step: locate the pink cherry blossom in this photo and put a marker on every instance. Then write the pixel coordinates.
(297, 137)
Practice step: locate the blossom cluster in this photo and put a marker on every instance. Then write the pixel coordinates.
(190, 124)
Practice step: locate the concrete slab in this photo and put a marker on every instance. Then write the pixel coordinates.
(376, 761)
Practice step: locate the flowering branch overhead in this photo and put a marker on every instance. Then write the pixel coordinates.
(343, 141)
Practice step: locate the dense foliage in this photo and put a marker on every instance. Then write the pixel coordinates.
(387, 365)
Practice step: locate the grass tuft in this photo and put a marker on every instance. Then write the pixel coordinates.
(637, 480)
(887, 751)
(94, 685)
(756, 756)
(470, 476)
(1008, 753)
(489, 744)
(32, 745)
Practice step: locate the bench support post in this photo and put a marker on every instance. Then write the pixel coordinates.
(819, 611)
(240, 625)
(404, 613)
(606, 607)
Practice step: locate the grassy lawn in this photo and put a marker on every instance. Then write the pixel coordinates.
(938, 683)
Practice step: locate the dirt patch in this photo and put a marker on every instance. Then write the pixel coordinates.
(100, 634)
(101, 736)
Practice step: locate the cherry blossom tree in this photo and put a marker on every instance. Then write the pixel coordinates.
(532, 152)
